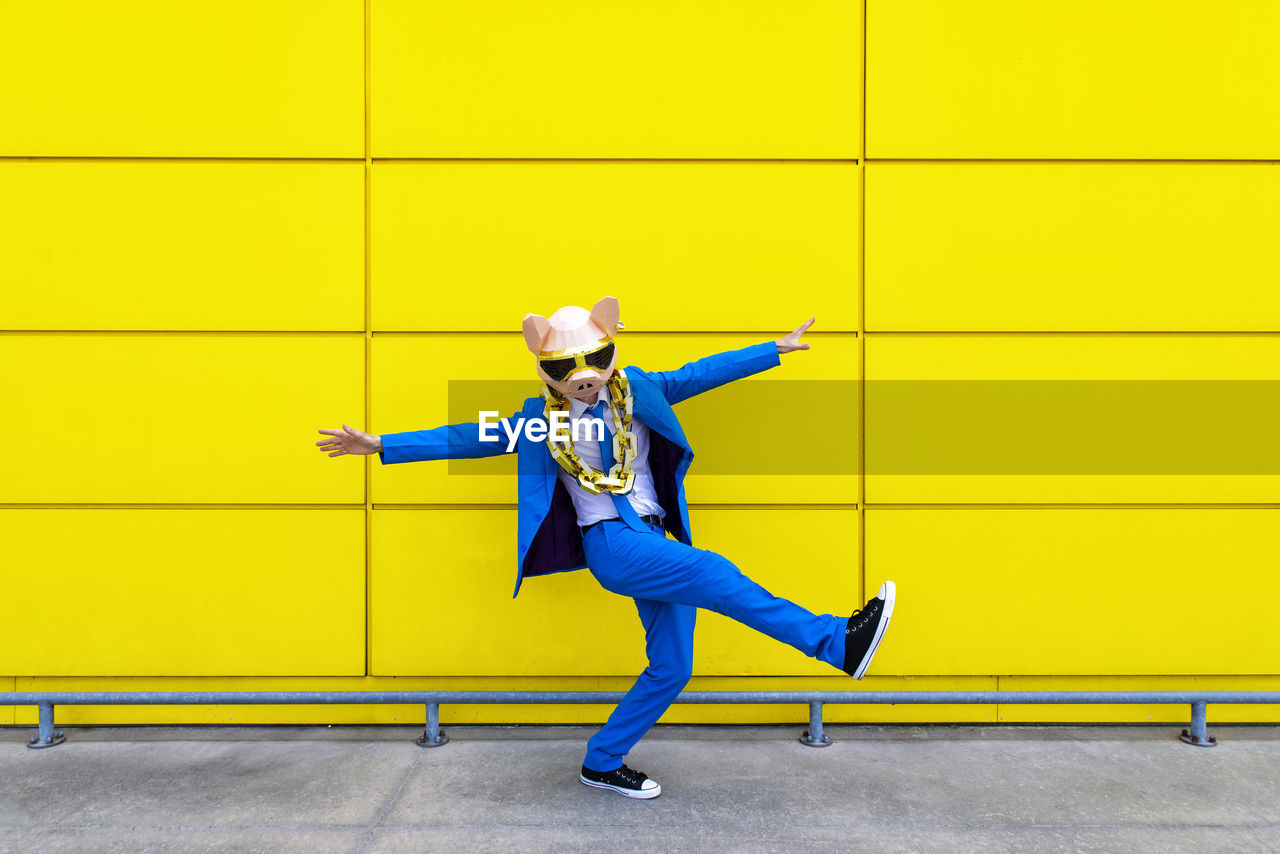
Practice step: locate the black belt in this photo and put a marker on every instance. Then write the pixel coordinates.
(651, 519)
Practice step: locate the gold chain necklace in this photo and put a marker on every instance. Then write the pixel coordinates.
(620, 478)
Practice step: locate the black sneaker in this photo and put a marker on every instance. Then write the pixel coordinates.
(866, 628)
(624, 781)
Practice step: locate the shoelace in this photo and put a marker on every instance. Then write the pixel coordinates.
(630, 776)
(858, 619)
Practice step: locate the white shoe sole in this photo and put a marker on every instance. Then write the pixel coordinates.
(887, 592)
(630, 793)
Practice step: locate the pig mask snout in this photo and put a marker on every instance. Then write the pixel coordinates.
(586, 384)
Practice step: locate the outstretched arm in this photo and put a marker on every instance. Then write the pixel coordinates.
(711, 371)
(448, 442)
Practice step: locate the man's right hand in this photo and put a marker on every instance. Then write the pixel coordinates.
(349, 440)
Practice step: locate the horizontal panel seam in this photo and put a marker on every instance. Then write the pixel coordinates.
(778, 505)
(1261, 333)
(397, 333)
(63, 158)
(53, 505)
(815, 333)
(1072, 160)
(1099, 505)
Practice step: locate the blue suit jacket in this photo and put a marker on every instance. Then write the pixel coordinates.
(548, 538)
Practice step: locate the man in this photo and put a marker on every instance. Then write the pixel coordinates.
(608, 505)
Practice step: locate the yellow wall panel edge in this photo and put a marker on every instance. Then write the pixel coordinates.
(992, 79)
(1187, 434)
(164, 245)
(155, 79)
(728, 237)
(187, 591)
(1028, 568)
(198, 418)
(745, 80)
(980, 246)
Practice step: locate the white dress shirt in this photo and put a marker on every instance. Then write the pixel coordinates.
(594, 508)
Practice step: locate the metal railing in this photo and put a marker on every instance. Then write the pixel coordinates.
(432, 736)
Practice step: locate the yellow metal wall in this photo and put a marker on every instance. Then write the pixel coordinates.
(224, 226)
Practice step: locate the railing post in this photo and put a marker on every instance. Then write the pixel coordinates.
(1199, 719)
(432, 736)
(814, 736)
(47, 737)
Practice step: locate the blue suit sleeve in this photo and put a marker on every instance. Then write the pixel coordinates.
(716, 370)
(449, 442)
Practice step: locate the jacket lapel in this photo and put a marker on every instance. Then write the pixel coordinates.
(652, 408)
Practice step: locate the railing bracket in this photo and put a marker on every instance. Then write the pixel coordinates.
(47, 737)
(432, 736)
(814, 736)
(1197, 736)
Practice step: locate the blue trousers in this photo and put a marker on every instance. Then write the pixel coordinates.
(670, 581)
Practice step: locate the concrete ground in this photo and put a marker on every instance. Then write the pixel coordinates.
(906, 788)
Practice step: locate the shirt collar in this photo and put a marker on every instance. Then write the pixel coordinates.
(577, 407)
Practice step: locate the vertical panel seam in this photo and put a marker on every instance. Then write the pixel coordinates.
(368, 366)
(862, 322)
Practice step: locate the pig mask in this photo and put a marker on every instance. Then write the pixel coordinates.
(574, 347)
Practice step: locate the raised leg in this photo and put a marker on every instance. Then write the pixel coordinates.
(649, 566)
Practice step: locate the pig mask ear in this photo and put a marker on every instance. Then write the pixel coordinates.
(535, 329)
(605, 315)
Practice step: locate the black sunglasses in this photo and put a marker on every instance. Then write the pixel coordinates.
(559, 369)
